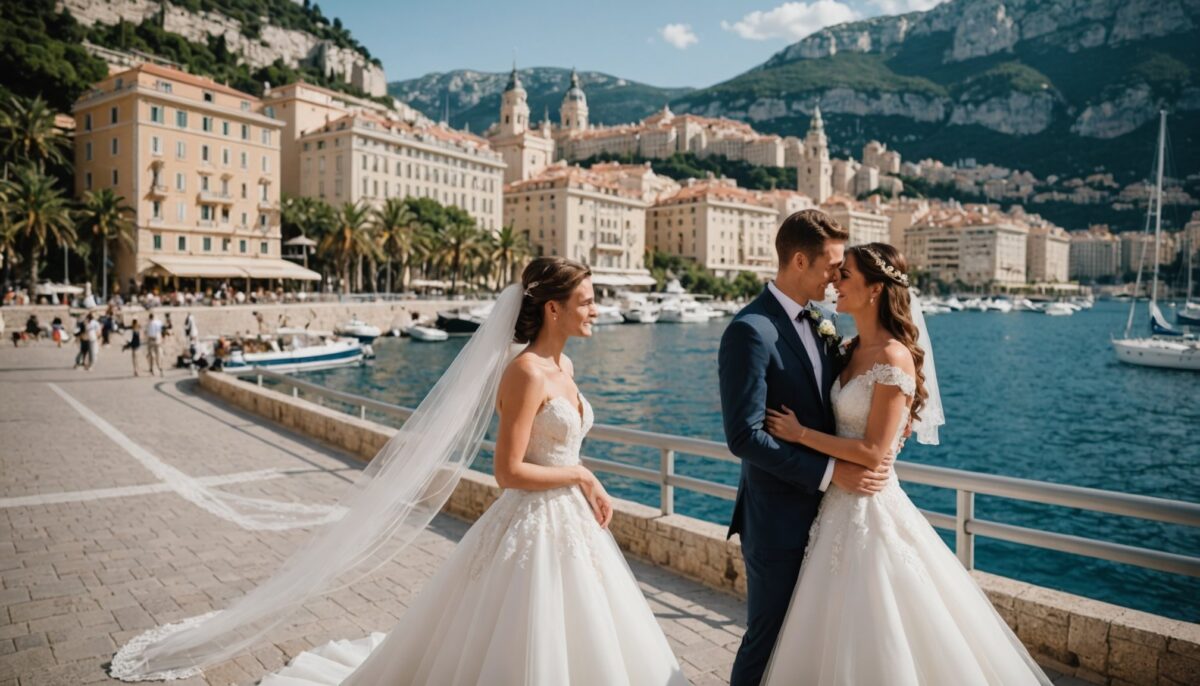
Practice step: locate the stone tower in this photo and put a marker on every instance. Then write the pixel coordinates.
(815, 173)
(514, 107)
(573, 114)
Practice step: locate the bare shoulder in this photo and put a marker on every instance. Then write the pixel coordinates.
(523, 378)
(898, 355)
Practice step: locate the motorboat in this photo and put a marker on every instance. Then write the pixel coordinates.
(290, 350)
(608, 314)
(1059, 309)
(427, 334)
(999, 305)
(1026, 305)
(357, 328)
(933, 307)
(684, 312)
(463, 321)
(640, 313)
(954, 304)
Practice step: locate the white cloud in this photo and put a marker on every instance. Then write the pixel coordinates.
(904, 6)
(793, 20)
(679, 35)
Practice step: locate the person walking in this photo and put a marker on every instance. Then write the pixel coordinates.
(134, 344)
(81, 338)
(92, 335)
(154, 336)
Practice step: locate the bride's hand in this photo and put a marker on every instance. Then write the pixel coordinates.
(597, 497)
(784, 425)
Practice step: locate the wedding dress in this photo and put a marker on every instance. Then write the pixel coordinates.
(881, 599)
(535, 593)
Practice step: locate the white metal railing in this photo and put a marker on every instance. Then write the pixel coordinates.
(966, 485)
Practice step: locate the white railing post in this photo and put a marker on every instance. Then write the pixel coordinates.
(666, 469)
(259, 377)
(964, 541)
(362, 412)
(295, 391)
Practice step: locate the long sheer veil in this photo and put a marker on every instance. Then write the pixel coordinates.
(932, 416)
(393, 500)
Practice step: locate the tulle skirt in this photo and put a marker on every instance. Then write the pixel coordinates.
(882, 600)
(535, 593)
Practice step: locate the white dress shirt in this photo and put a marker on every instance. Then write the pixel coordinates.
(811, 346)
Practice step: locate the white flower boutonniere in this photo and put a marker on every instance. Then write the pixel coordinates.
(826, 329)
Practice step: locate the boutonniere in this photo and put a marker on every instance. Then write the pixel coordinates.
(828, 333)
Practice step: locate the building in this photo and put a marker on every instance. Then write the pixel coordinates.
(1048, 255)
(975, 245)
(198, 162)
(526, 151)
(720, 227)
(364, 158)
(588, 216)
(1137, 249)
(994, 254)
(1094, 254)
(865, 226)
(814, 176)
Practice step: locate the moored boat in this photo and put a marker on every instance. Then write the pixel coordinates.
(292, 350)
(357, 328)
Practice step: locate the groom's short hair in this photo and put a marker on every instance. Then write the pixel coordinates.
(806, 230)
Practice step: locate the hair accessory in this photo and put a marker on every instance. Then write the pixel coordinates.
(529, 290)
(895, 274)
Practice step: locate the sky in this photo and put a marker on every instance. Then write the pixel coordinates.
(693, 43)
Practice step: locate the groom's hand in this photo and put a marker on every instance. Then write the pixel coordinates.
(855, 478)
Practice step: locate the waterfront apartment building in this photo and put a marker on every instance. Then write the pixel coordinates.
(360, 157)
(1048, 255)
(722, 228)
(199, 164)
(1095, 253)
(864, 226)
(1137, 248)
(583, 215)
(974, 245)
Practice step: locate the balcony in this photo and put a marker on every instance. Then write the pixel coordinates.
(158, 190)
(216, 197)
(267, 206)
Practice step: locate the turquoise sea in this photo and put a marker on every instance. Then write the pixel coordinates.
(1025, 395)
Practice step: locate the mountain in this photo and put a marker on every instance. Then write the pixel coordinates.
(1050, 86)
(474, 96)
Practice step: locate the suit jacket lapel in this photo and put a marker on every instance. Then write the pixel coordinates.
(787, 329)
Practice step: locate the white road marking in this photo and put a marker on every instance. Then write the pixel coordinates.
(140, 489)
(248, 513)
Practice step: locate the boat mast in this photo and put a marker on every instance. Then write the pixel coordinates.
(1162, 141)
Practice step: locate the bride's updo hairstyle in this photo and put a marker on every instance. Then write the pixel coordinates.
(882, 263)
(545, 279)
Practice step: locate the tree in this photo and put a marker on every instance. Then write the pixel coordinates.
(459, 240)
(509, 249)
(38, 212)
(397, 229)
(107, 216)
(28, 133)
(349, 239)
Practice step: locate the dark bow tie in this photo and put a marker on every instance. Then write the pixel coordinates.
(811, 314)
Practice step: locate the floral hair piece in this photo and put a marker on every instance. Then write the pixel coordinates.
(529, 290)
(893, 273)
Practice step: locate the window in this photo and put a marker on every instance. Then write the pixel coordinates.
(156, 114)
(266, 137)
(156, 209)
(180, 181)
(243, 222)
(181, 243)
(181, 119)
(155, 145)
(245, 161)
(87, 181)
(245, 132)
(225, 157)
(364, 159)
(181, 211)
(206, 124)
(87, 122)
(266, 164)
(224, 215)
(208, 96)
(262, 247)
(204, 182)
(245, 105)
(180, 150)
(242, 246)
(243, 196)
(164, 86)
(113, 146)
(206, 213)
(112, 114)
(158, 241)
(207, 244)
(87, 151)
(224, 245)
(115, 178)
(204, 153)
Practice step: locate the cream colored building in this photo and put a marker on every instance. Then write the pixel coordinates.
(583, 215)
(526, 151)
(360, 157)
(994, 253)
(865, 226)
(975, 245)
(722, 228)
(199, 164)
(1048, 255)
(1137, 248)
(814, 176)
(1094, 254)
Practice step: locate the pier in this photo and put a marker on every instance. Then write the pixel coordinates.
(99, 541)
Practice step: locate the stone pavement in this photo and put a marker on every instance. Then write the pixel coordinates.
(97, 545)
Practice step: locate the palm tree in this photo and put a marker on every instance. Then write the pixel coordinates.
(28, 133)
(107, 215)
(459, 240)
(509, 249)
(38, 212)
(397, 229)
(349, 240)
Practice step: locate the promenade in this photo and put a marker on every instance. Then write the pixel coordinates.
(97, 542)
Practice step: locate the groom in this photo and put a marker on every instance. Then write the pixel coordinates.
(773, 355)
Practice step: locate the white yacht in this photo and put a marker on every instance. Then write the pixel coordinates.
(1059, 310)
(636, 308)
(293, 350)
(357, 328)
(608, 314)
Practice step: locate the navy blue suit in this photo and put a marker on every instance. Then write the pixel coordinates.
(763, 363)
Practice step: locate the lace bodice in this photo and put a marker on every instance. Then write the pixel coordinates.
(852, 403)
(558, 431)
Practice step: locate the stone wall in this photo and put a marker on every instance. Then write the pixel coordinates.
(1093, 641)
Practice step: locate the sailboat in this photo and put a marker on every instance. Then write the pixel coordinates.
(1166, 347)
(1189, 313)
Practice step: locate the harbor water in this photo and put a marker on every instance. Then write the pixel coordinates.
(1025, 395)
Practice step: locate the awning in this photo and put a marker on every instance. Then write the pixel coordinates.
(622, 280)
(228, 268)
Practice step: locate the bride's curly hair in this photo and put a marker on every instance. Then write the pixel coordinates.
(545, 279)
(882, 263)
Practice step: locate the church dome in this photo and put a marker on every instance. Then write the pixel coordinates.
(575, 92)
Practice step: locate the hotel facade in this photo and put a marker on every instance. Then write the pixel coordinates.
(198, 163)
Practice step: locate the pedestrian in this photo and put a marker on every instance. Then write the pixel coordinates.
(57, 331)
(168, 328)
(92, 334)
(81, 338)
(135, 342)
(154, 336)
